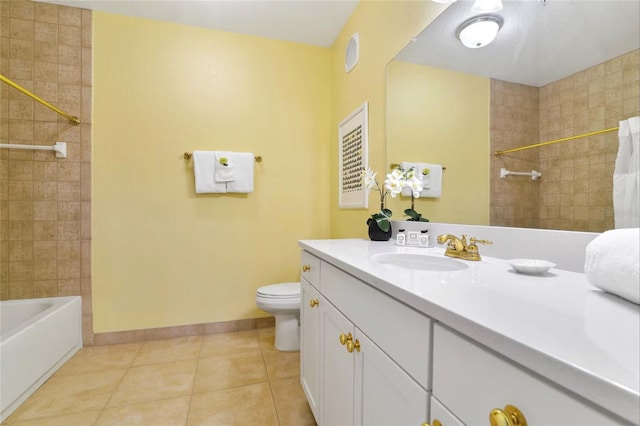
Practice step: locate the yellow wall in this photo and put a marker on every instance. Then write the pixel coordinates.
(384, 27)
(441, 116)
(164, 256)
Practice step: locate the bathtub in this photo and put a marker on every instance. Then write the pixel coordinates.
(37, 336)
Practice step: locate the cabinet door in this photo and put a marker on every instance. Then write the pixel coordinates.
(310, 348)
(384, 393)
(338, 368)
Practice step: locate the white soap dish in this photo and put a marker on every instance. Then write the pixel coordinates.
(530, 266)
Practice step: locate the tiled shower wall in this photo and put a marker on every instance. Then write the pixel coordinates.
(45, 223)
(575, 192)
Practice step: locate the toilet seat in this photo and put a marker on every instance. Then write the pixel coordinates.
(280, 291)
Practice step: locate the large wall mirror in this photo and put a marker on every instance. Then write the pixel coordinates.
(556, 69)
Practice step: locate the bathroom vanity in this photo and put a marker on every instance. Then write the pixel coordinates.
(406, 336)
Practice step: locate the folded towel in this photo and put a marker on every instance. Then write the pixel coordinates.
(223, 167)
(243, 163)
(203, 167)
(613, 263)
(432, 182)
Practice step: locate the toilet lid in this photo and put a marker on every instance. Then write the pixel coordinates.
(280, 291)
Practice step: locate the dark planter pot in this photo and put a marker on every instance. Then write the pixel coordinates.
(377, 234)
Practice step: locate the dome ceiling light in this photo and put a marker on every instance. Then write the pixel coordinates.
(479, 31)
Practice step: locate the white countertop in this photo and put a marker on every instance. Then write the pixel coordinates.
(557, 324)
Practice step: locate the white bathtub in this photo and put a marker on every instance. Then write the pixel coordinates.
(37, 336)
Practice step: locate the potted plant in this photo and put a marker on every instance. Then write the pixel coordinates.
(415, 184)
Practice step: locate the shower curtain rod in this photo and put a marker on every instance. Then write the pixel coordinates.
(73, 119)
(584, 135)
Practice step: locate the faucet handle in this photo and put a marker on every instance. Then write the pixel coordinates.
(474, 241)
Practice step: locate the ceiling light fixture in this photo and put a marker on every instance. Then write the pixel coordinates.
(486, 6)
(479, 31)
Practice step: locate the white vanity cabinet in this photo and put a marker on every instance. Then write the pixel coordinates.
(310, 363)
(471, 380)
(361, 381)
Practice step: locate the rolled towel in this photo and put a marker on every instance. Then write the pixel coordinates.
(613, 263)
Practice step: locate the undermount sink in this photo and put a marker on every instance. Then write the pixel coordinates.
(422, 262)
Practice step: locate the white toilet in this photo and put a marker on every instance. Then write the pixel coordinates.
(283, 301)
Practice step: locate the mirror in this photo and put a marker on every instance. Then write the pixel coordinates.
(556, 69)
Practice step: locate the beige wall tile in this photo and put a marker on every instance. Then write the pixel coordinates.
(48, 32)
(21, 29)
(174, 332)
(20, 69)
(20, 210)
(69, 287)
(45, 171)
(45, 230)
(45, 250)
(68, 172)
(21, 50)
(21, 9)
(20, 190)
(20, 230)
(21, 130)
(45, 270)
(20, 289)
(20, 271)
(69, 269)
(44, 210)
(68, 250)
(69, 74)
(68, 191)
(45, 12)
(43, 131)
(20, 251)
(48, 288)
(119, 337)
(68, 230)
(46, 71)
(71, 16)
(70, 36)
(45, 191)
(69, 55)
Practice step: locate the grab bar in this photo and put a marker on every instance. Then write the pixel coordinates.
(59, 147)
(534, 173)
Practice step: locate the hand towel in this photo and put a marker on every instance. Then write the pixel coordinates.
(203, 167)
(612, 263)
(243, 163)
(432, 183)
(626, 175)
(223, 167)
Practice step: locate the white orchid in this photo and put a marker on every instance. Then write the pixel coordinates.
(395, 181)
(413, 182)
(369, 177)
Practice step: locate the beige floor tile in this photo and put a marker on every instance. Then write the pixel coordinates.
(63, 395)
(160, 351)
(291, 404)
(80, 419)
(229, 343)
(100, 358)
(281, 364)
(163, 412)
(244, 405)
(225, 371)
(157, 381)
(267, 337)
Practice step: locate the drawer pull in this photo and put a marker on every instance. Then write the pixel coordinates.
(344, 338)
(436, 422)
(306, 268)
(313, 303)
(351, 346)
(510, 416)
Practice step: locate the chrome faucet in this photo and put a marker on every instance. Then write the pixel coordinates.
(458, 247)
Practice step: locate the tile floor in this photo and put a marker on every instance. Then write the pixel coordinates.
(221, 379)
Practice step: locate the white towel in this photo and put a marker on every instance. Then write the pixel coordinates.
(203, 167)
(243, 163)
(626, 175)
(613, 263)
(222, 172)
(432, 183)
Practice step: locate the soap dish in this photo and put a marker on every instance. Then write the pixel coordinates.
(530, 266)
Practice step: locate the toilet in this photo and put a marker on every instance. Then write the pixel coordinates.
(283, 301)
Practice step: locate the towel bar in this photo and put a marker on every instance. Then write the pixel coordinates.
(534, 173)
(188, 155)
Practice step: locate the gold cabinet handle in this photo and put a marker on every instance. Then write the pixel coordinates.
(344, 338)
(436, 422)
(351, 346)
(509, 416)
(313, 303)
(306, 268)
